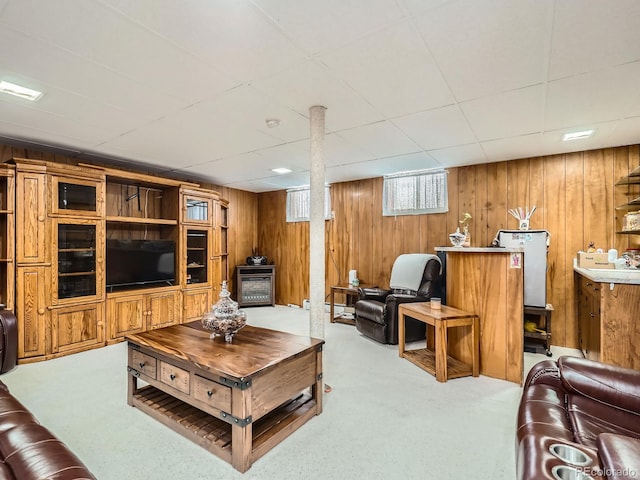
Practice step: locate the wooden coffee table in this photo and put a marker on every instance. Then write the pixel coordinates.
(238, 400)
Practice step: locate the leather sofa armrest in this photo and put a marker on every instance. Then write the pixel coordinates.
(395, 299)
(609, 384)
(545, 372)
(620, 454)
(378, 294)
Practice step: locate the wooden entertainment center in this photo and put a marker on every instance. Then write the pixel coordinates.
(59, 217)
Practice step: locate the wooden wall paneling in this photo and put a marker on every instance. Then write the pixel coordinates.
(634, 161)
(342, 240)
(597, 215)
(363, 231)
(482, 235)
(452, 216)
(466, 201)
(574, 235)
(496, 199)
(242, 229)
(378, 241)
(412, 242)
(622, 165)
(517, 187)
(536, 192)
(554, 221)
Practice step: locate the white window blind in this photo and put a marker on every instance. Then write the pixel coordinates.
(299, 204)
(414, 193)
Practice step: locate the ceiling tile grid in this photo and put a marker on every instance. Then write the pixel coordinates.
(188, 86)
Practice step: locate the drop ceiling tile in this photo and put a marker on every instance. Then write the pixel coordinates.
(627, 132)
(338, 151)
(607, 94)
(50, 122)
(254, 186)
(420, 6)
(457, 156)
(547, 143)
(507, 114)
(439, 128)
(307, 84)
(248, 109)
(235, 37)
(392, 70)
(318, 26)
(513, 147)
(233, 169)
(484, 48)
(289, 180)
(48, 139)
(101, 35)
(33, 62)
(382, 139)
(584, 39)
(293, 155)
(380, 167)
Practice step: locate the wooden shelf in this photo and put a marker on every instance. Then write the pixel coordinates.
(142, 221)
(626, 206)
(426, 359)
(629, 232)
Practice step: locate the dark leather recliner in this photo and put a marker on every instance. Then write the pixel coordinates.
(415, 277)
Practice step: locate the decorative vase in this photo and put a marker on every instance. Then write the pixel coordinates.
(457, 238)
(224, 317)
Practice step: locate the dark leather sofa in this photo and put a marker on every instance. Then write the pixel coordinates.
(28, 451)
(579, 419)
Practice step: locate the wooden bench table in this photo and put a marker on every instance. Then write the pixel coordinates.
(436, 360)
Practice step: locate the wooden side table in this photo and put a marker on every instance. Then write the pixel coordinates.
(436, 361)
(350, 292)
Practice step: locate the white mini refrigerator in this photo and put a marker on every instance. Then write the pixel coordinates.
(535, 244)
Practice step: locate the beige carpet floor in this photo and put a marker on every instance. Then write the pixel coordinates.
(384, 418)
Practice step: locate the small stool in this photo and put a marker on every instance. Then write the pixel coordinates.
(542, 312)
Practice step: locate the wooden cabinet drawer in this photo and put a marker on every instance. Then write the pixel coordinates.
(144, 363)
(212, 393)
(175, 377)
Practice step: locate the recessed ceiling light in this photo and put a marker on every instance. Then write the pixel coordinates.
(19, 91)
(281, 170)
(272, 122)
(577, 135)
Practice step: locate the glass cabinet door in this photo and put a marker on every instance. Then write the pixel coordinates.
(197, 256)
(197, 209)
(76, 260)
(75, 196)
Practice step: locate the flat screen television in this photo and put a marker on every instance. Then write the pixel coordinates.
(139, 263)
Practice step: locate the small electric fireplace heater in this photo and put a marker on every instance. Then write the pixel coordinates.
(256, 285)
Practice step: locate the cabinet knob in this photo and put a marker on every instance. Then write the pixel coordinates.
(41, 311)
(172, 376)
(210, 393)
(40, 218)
(141, 364)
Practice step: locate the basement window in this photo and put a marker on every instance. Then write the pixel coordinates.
(415, 193)
(299, 204)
